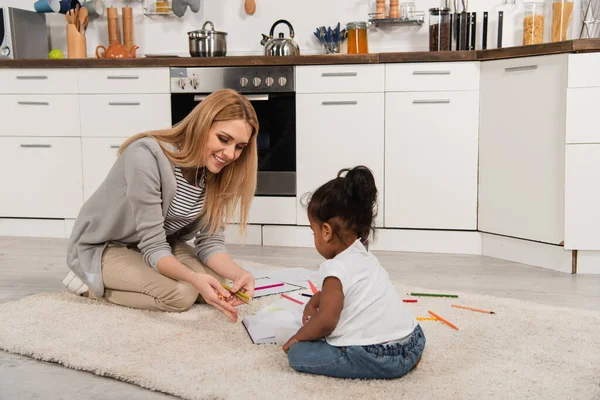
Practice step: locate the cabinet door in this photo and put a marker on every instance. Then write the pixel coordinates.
(336, 131)
(582, 197)
(522, 148)
(41, 177)
(99, 155)
(431, 160)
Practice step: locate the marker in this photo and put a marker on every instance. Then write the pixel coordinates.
(409, 300)
(312, 287)
(240, 295)
(269, 286)
(426, 319)
(473, 309)
(451, 325)
(432, 294)
(291, 299)
(307, 294)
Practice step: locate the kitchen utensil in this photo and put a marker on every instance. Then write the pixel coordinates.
(331, 39)
(113, 25)
(207, 42)
(249, 6)
(127, 22)
(116, 50)
(280, 46)
(47, 6)
(76, 43)
(380, 9)
(500, 23)
(83, 20)
(464, 31)
(394, 11)
(473, 30)
(484, 31)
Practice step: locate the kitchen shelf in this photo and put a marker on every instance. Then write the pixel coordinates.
(419, 20)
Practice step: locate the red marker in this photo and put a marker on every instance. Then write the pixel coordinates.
(312, 287)
(409, 300)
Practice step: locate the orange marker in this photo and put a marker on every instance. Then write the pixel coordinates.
(473, 309)
(312, 287)
(443, 320)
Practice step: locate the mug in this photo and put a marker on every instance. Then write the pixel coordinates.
(95, 8)
(46, 6)
(66, 5)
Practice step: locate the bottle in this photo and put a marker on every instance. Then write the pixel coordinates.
(357, 37)
(533, 22)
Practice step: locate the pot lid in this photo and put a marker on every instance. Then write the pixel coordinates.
(210, 31)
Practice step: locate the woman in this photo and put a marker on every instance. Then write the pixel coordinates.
(166, 187)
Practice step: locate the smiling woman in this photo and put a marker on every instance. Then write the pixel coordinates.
(167, 187)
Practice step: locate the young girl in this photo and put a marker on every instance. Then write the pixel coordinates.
(368, 333)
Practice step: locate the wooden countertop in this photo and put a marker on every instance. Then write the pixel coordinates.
(570, 46)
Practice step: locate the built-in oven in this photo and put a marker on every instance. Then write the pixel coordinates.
(271, 90)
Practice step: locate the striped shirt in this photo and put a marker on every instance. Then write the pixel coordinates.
(186, 204)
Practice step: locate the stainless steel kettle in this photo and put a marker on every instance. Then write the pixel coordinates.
(280, 46)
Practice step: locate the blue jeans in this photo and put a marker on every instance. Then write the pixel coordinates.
(378, 361)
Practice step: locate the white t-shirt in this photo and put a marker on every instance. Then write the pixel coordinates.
(373, 312)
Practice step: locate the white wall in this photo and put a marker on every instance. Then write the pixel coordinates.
(168, 34)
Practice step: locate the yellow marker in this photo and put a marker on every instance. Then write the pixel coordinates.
(240, 295)
(426, 319)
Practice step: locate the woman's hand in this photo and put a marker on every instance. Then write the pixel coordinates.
(312, 308)
(210, 289)
(245, 284)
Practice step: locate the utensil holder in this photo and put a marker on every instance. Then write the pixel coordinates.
(332, 47)
(76, 43)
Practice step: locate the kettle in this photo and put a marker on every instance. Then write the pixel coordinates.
(280, 46)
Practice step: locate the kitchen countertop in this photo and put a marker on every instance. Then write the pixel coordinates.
(570, 46)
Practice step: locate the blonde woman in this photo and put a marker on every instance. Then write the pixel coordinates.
(167, 187)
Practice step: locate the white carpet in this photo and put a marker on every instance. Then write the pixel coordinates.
(525, 351)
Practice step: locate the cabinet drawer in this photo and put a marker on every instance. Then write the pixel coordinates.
(99, 155)
(431, 76)
(582, 117)
(39, 115)
(583, 70)
(41, 177)
(34, 81)
(124, 80)
(339, 79)
(123, 115)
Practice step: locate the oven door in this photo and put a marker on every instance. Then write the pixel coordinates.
(276, 139)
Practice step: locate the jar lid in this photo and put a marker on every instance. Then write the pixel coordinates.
(356, 25)
(438, 11)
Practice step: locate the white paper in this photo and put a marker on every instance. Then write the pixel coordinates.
(295, 276)
(272, 327)
(273, 290)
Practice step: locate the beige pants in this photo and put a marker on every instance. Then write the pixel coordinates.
(129, 282)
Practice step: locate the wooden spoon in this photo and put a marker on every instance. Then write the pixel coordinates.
(83, 20)
(249, 6)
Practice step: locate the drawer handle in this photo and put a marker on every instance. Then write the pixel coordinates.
(124, 103)
(33, 103)
(328, 74)
(36, 146)
(122, 77)
(115, 146)
(250, 97)
(440, 101)
(431, 72)
(32, 77)
(340, 103)
(522, 68)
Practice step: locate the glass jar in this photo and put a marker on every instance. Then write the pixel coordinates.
(407, 10)
(439, 29)
(533, 22)
(562, 11)
(357, 37)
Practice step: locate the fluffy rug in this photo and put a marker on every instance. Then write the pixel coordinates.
(524, 351)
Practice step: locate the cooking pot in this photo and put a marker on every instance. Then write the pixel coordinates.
(207, 42)
(280, 46)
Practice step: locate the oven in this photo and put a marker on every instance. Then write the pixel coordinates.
(271, 90)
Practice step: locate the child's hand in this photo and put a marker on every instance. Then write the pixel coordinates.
(289, 343)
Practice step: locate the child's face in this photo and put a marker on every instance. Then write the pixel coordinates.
(323, 235)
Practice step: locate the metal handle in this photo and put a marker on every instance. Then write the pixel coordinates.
(522, 68)
(327, 74)
(250, 97)
(437, 101)
(340, 103)
(36, 146)
(431, 72)
(33, 103)
(124, 103)
(115, 146)
(30, 77)
(122, 77)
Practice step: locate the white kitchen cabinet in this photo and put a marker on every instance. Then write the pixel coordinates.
(336, 131)
(582, 197)
(124, 80)
(41, 177)
(99, 155)
(123, 115)
(38, 81)
(583, 118)
(354, 78)
(522, 146)
(411, 77)
(431, 160)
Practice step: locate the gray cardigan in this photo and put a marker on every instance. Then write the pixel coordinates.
(129, 208)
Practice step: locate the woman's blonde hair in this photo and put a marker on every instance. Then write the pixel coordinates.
(236, 183)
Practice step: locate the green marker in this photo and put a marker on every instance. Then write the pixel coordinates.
(433, 295)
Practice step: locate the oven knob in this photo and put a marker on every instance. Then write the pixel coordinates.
(181, 83)
(282, 81)
(194, 83)
(5, 52)
(243, 82)
(256, 81)
(269, 81)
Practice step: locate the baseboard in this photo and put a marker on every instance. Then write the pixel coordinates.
(588, 262)
(287, 236)
(253, 235)
(48, 228)
(424, 241)
(527, 252)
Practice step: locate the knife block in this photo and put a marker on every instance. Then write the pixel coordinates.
(76, 43)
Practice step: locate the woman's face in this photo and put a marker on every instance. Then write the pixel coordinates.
(226, 141)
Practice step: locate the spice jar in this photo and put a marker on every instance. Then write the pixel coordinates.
(562, 11)
(407, 9)
(533, 22)
(357, 37)
(439, 29)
